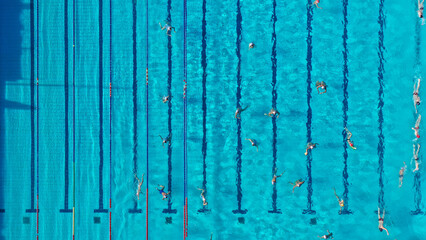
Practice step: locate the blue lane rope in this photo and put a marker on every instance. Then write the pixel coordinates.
(147, 119)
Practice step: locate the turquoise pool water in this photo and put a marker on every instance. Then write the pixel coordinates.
(47, 169)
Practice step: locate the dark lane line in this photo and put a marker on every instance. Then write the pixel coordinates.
(274, 106)
(204, 107)
(345, 108)
(381, 70)
(101, 208)
(239, 146)
(169, 93)
(417, 66)
(309, 112)
(32, 78)
(67, 141)
(135, 110)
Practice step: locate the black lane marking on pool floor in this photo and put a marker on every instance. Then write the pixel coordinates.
(204, 66)
(169, 93)
(309, 112)
(274, 105)
(345, 175)
(101, 208)
(66, 209)
(239, 146)
(381, 70)
(32, 79)
(135, 110)
(417, 66)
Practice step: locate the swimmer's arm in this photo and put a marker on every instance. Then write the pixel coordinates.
(257, 148)
(318, 87)
(174, 29)
(378, 212)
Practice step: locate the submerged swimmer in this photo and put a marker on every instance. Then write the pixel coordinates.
(315, 3)
(381, 220)
(253, 143)
(401, 174)
(348, 138)
(274, 178)
(416, 97)
(416, 127)
(310, 146)
(416, 156)
(298, 183)
(168, 27)
(321, 85)
(328, 236)
(420, 10)
(273, 113)
(138, 191)
(202, 196)
(239, 111)
(341, 202)
(168, 139)
(166, 99)
(161, 190)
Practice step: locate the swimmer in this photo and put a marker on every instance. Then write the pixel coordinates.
(341, 202)
(253, 143)
(251, 46)
(328, 236)
(416, 156)
(239, 111)
(202, 196)
(139, 185)
(416, 97)
(161, 190)
(298, 183)
(274, 179)
(321, 85)
(166, 99)
(420, 11)
(315, 3)
(381, 220)
(168, 27)
(416, 127)
(167, 139)
(348, 139)
(401, 174)
(310, 146)
(273, 113)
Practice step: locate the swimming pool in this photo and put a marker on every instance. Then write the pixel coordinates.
(65, 141)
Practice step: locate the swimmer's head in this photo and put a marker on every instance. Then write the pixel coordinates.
(417, 103)
(418, 136)
(251, 45)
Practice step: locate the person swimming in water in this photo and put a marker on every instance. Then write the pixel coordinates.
(251, 46)
(161, 190)
(273, 113)
(416, 156)
(168, 139)
(274, 178)
(166, 99)
(321, 85)
(416, 127)
(315, 3)
(168, 27)
(310, 146)
(348, 138)
(253, 143)
(416, 97)
(420, 10)
(328, 236)
(381, 220)
(298, 183)
(401, 174)
(138, 191)
(202, 197)
(239, 111)
(341, 202)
